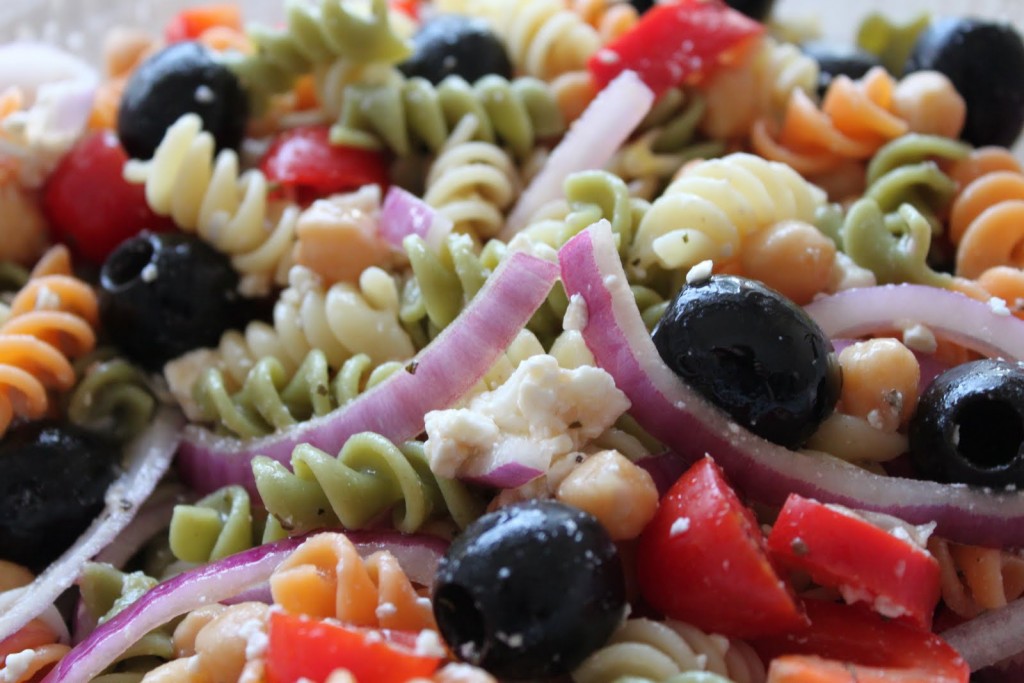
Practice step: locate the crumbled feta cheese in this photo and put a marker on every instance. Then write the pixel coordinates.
(917, 337)
(576, 314)
(700, 272)
(998, 306)
(17, 665)
(256, 639)
(680, 526)
(428, 644)
(540, 412)
(385, 610)
(149, 273)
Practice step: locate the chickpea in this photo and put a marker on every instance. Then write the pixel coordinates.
(792, 257)
(880, 379)
(620, 494)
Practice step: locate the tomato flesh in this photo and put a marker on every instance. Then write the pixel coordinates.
(702, 559)
(191, 23)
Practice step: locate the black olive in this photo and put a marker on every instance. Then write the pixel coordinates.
(455, 45)
(838, 60)
(755, 9)
(984, 60)
(753, 353)
(969, 425)
(530, 590)
(54, 479)
(642, 5)
(167, 293)
(185, 77)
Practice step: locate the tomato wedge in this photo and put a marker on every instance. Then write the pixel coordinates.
(844, 551)
(306, 166)
(702, 559)
(305, 648)
(852, 644)
(677, 43)
(192, 22)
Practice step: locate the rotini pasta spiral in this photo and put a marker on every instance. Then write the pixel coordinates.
(50, 321)
(368, 477)
(471, 182)
(986, 223)
(544, 38)
(207, 195)
(658, 651)
(611, 18)
(758, 87)
(112, 396)
(707, 212)
(221, 524)
(316, 34)
(892, 43)
(406, 113)
(976, 579)
(272, 399)
(325, 577)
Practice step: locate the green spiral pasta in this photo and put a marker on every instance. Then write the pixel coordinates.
(12, 276)
(903, 172)
(892, 43)
(368, 477)
(894, 247)
(272, 399)
(105, 592)
(219, 525)
(316, 34)
(111, 397)
(404, 114)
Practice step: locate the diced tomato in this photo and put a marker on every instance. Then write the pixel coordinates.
(191, 23)
(677, 43)
(702, 559)
(840, 550)
(89, 204)
(301, 647)
(851, 644)
(410, 8)
(306, 166)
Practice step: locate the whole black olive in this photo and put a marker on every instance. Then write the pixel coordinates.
(755, 9)
(530, 590)
(54, 479)
(753, 353)
(167, 293)
(969, 425)
(642, 5)
(984, 60)
(455, 45)
(184, 77)
(838, 60)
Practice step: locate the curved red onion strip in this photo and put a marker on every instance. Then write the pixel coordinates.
(991, 637)
(441, 374)
(215, 582)
(149, 458)
(685, 422)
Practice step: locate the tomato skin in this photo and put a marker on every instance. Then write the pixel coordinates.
(302, 647)
(410, 8)
(191, 23)
(715, 573)
(677, 43)
(89, 204)
(307, 166)
(863, 648)
(837, 549)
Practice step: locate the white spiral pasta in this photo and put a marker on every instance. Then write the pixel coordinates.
(658, 650)
(208, 195)
(472, 182)
(707, 212)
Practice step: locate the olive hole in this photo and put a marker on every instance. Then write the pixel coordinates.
(991, 433)
(127, 263)
(461, 621)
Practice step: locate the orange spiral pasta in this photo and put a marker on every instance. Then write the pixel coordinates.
(52, 320)
(326, 578)
(36, 646)
(976, 579)
(987, 223)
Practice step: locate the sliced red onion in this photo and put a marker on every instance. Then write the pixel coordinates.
(508, 475)
(664, 468)
(217, 581)
(590, 143)
(149, 457)
(988, 329)
(29, 65)
(258, 593)
(439, 375)
(685, 422)
(991, 637)
(404, 214)
(154, 517)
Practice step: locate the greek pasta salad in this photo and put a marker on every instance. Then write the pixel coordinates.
(488, 340)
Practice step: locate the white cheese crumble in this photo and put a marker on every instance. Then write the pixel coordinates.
(540, 412)
(700, 272)
(679, 527)
(917, 337)
(576, 315)
(998, 306)
(256, 639)
(149, 273)
(428, 644)
(17, 665)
